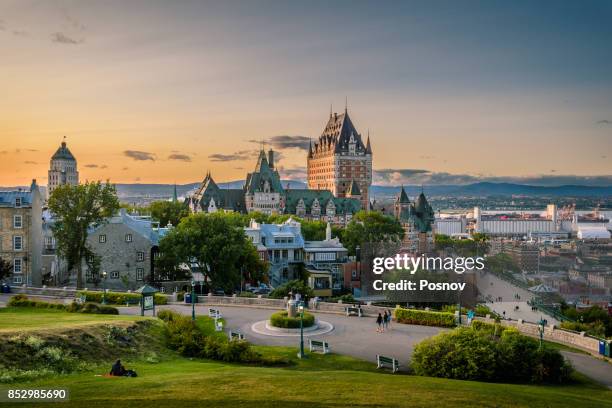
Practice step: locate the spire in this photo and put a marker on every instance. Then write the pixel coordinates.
(310, 148)
(331, 109)
(174, 195)
(403, 197)
(368, 146)
(346, 104)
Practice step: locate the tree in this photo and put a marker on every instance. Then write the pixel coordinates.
(77, 208)
(220, 248)
(168, 212)
(6, 268)
(373, 228)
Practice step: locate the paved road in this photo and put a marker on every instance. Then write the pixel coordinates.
(352, 336)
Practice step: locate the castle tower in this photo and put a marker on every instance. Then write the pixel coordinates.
(62, 169)
(339, 158)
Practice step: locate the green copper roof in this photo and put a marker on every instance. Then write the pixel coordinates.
(63, 153)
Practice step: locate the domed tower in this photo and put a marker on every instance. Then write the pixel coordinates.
(62, 169)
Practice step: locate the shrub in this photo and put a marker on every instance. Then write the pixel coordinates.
(247, 294)
(167, 315)
(280, 319)
(104, 309)
(294, 286)
(477, 354)
(496, 329)
(424, 318)
(119, 298)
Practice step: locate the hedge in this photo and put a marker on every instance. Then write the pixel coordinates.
(119, 298)
(424, 317)
(93, 308)
(280, 319)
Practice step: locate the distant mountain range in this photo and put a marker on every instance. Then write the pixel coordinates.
(482, 189)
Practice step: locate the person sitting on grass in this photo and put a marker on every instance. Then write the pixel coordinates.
(118, 370)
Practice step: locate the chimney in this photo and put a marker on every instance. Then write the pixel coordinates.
(271, 158)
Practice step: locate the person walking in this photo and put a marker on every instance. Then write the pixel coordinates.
(390, 318)
(385, 320)
(379, 321)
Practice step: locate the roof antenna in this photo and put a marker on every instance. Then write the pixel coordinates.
(345, 104)
(331, 108)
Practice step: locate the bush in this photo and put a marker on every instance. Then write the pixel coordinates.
(119, 298)
(477, 354)
(23, 301)
(247, 295)
(74, 307)
(294, 286)
(424, 318)
(167, 315)
(280, 319)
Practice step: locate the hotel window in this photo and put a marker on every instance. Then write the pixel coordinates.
(102, 238)
(128, 237)
(17, 279)
(140, 256)
(139, 274)
(17, 265)
(17, 221)
(115, 275)
(17, 243)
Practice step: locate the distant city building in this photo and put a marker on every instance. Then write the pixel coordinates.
(62, 170)
(417, 219)
(263, 192)
(21, 234)
(340, 162)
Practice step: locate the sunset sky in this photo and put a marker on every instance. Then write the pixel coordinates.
(451, 92)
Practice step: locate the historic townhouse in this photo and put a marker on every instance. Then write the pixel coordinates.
(21, 234)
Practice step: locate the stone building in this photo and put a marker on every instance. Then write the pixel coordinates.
(417, 219)
(21, 234)
(62, 169)
(126, 247)
(340, 162)
(263, 192)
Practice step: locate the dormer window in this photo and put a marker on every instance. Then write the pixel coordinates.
(18, 202)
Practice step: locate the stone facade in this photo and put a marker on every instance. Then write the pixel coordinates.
(21, 234)
(339, 160)
(126, 246)
(62, 169)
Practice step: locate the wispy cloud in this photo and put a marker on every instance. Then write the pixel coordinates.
(30, 162)
(282, 142)
(20, 33)
(297, 173)
(91, 166)
(61, 38)
(239, 155)
(179, 157)
(138, 155)
(604, 122)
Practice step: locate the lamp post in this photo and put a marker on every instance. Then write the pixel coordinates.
(193, 300)
(301, 310)
(541, 325)
(103, 287)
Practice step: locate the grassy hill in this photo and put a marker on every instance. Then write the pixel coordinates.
(320, 381)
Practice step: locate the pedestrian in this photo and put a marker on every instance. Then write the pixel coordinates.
(385, 320)
(379, 321)
(390, 318)
(504, 313)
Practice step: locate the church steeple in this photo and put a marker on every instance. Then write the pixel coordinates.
(368, 147)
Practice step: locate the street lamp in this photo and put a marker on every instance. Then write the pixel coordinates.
(103, 287)
(301, 310)
(193, 300)
(541, 325)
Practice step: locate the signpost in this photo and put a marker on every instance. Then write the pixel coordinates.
(148, 299)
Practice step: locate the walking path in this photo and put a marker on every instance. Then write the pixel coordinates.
(357, 337)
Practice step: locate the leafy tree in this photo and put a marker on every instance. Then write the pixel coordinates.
(6, 268)
(76, 208)
(477, 245)
(168, 212)
(373, 228)
(294, 286)
(220, 248)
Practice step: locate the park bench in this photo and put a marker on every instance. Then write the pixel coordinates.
(235, 335)
(319, 345)
(387, 362)
(214, 313)
(354, 311)
(218, 325)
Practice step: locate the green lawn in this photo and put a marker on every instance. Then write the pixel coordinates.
(191, 383)
(26, 319)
